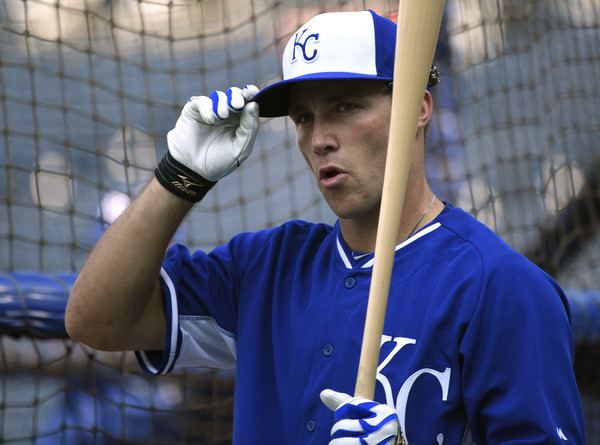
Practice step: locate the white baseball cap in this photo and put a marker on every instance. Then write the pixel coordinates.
(333, 46)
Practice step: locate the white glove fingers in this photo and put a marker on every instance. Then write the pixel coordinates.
(235, 99)
(382, 436)
(360, 421)
(333, 399)
(219, 104)
(246, 132)
(248, 121)
(214, 134)
(381, 412)
(200, 108)
(345, 441)
(249, 92)
(349, 425)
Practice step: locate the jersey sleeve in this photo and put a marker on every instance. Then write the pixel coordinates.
(200, 300)
(517, 351)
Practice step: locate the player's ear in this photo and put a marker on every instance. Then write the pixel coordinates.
(426, 110)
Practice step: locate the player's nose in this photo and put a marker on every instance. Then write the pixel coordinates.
(324, 138)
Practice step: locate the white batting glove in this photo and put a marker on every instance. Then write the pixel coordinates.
(215, 134)
(360, 421)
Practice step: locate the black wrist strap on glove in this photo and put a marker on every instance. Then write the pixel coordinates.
(180, 180)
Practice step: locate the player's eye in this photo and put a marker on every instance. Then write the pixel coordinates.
(345, 107)
(302, 118)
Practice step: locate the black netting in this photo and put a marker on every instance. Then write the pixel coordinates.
(89, 89)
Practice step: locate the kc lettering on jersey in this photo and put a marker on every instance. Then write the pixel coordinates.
(399, 400)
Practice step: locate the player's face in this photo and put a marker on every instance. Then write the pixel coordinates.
(342, 131)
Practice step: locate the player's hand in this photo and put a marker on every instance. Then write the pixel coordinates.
(215, 134)
(360, 421)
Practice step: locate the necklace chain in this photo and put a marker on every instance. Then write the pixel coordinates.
(357, 255)
(422, 216)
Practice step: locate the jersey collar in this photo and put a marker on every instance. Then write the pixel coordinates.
(365, 261)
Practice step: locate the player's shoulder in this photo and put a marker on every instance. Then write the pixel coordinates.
(465, 226)
(481, 245)
(470, 232)
(290, 234)
(285, 243)
(498, 265)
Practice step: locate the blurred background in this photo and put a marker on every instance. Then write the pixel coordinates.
(88, 91)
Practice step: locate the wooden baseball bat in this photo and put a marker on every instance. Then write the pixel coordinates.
(417, 33)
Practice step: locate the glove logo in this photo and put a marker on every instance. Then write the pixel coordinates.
(185, 184)
(300, 41)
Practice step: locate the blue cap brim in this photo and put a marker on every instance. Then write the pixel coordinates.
(274, 100)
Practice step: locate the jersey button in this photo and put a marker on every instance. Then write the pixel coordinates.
(327, 350)
(349, 282)
(310, 425)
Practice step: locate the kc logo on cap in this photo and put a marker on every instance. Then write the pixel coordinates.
(301, 42)
(332, 46)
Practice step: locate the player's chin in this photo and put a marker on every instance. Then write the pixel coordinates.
(345, 207)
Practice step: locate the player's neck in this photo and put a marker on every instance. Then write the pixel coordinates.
(361, 234)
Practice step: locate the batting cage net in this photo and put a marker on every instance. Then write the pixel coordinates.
(88, 91)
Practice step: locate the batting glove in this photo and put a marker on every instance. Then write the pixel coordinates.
(360, 421)
(212, 137)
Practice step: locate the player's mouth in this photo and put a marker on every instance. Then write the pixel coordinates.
(331, 176)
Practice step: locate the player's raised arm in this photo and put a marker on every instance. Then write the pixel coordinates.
(116, 302)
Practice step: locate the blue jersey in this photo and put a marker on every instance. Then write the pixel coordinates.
(476, 343)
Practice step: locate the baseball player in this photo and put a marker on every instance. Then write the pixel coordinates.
(477, 342)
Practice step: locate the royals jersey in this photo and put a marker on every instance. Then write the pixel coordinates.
(476, 343)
